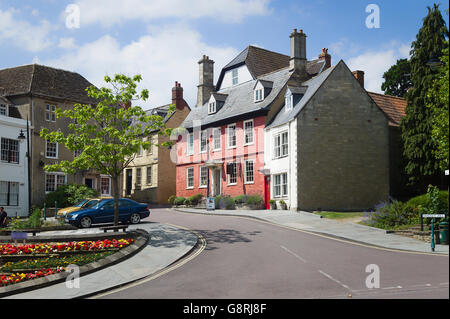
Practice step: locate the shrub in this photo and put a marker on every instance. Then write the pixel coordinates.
(69, 195)
(171, 199)
(393, 215)
(34, 221)
(217, 200)
(254, 200)
(226, 202)
(179, 201)
(424, 201)
(240, 199)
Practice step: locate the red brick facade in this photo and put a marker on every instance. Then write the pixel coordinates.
(238, 154)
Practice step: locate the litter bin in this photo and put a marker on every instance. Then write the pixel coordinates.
(443, 233)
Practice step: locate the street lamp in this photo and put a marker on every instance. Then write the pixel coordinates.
(22, 137)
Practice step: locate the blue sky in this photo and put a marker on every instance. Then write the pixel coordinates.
(164, 39)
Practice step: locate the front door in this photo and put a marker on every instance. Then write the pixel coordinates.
(267, 191)
(217, 181)
(89, 182)
(129, 181)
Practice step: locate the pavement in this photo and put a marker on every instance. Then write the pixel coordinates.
(167, 244)
(314, 223)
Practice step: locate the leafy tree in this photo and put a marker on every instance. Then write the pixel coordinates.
(397, 80)
(417, 125)
(438, 100)
(108, 134)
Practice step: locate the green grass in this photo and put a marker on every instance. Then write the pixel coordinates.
(339, 215)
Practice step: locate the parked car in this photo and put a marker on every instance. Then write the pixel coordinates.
(103, 212)
(85, 203)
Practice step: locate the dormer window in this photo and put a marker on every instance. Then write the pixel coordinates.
(259, 95)
(212, 108)
(289, 102)
(234, 75)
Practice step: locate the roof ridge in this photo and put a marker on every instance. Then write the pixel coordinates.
(387, 95)
(32, 78)
(259, 48)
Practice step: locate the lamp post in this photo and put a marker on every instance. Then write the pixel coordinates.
(22, 137)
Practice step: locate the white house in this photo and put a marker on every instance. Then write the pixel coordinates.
(13, 162)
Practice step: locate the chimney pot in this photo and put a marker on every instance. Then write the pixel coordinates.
(325, 56)
(359, 75)
(298, 52)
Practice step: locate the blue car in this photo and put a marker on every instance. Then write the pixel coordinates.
(129, 212)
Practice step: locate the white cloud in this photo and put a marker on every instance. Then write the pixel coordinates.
(22, 34)
(109, 12)
(163, 57)
(66, 43)
(375, 63)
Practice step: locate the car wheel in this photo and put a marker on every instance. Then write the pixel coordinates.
(135, 218)
(86, 222)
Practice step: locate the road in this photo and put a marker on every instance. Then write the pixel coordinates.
(245, 258)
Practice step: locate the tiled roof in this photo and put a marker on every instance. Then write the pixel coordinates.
(44, 81)
(392, 106)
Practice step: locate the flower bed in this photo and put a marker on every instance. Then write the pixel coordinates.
(6, 280)
(46, 248)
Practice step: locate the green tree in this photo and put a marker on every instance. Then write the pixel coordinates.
(438, 100)
(397, 80)
(417, 125)
(108, 134)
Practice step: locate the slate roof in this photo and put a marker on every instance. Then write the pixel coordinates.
(261, 61)
(44, 81)
(308, 88)
(392, 106)
(240, 100)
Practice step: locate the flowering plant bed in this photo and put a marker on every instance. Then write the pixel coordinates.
(31, 265)
(6, 280)
(49, 248)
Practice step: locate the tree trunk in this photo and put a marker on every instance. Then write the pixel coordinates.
(115, 190)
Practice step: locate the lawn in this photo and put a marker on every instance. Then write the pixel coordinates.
(339, 215)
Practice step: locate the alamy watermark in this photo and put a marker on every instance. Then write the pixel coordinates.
(373, 19)
(373, 280)
(73, 279)
(73, 16)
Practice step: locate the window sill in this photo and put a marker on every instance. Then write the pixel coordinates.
(189, 187)
(249, 183)
(248, 144)
(233, 184)
(205, 186)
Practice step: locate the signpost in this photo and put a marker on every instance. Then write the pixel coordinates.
(432, 216)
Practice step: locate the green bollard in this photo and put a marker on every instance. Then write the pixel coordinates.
(45, 212)
(56, 208)
(432, 234)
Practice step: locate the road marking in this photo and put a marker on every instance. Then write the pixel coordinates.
(335, 280)
(314, 234)
(398, 287)
(163, 271)
(294, 254)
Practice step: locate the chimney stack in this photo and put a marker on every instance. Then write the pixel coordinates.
(298, 52)
(206, 80)
(325, 56)
(359, 75)
(177, 96)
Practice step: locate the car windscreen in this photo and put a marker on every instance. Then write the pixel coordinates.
(91, 203)
(80, 204)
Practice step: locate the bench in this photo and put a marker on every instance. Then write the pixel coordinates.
(114, 228)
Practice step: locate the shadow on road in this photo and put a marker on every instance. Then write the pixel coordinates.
(227, 236)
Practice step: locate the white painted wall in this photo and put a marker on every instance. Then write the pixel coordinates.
(243, 76)
(10, 128)
(287, 164)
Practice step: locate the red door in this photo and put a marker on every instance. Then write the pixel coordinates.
(267, 191)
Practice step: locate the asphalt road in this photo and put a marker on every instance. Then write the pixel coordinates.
(246, 258)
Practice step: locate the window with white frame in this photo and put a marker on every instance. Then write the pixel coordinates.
(4, 109)
(203, 178)
(9, 193)
(105, 185)
(248, 132)
(249, 171)
(77, 153)
(234, 75)
(149, 175)
(231, 134)
(281, 145)
(203, 141)
(53, 181)
(9, 150)
(259, 95)
(232, 173)
(289, 102)
(190, 144)
(217, 138)
(212, 108)
(280, 185)
(190, 177)
(51, 150)
(139, 154)
(50, 113)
